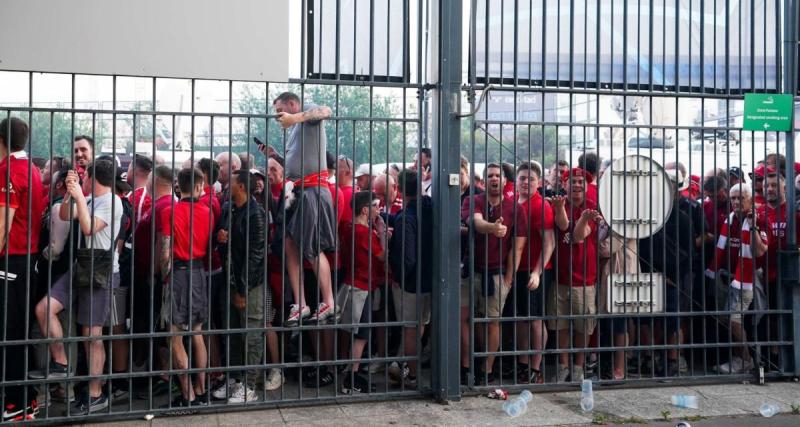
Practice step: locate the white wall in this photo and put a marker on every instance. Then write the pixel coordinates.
(213, 39)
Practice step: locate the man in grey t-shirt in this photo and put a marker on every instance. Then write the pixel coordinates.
(310, 220)
(100, 218)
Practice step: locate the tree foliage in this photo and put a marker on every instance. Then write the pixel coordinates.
(354, 132)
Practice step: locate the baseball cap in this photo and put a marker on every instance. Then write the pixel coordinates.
(736, 172)
(363, 169)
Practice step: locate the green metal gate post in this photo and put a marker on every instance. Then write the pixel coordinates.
(446, 164)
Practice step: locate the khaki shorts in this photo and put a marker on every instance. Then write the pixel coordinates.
(739, 300)
(491, 306)
(568, 300)
(405, 305)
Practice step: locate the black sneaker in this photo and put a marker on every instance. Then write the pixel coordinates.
(88, 405)
(14, 413)
(322, 379)
(54, 370)
(200, 400)
(591, 367)
(356, 383)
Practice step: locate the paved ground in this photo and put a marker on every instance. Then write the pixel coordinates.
(720, 405)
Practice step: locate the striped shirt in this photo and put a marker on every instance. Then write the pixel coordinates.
(726, 255)
(745, 264)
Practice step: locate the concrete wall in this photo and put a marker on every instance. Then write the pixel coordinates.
(214, 39)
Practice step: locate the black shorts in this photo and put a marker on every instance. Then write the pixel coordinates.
(527, 302)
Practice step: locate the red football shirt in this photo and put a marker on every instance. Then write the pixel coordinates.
(577, 263)
(191, 228)
(745, 267)
(591, 192)
(539, 218)
(508, 190)
(358, 243)
(728, 244)
(715, 214)
(143, 245)
(16, 194)
(347, 214)
(141, 202)
(773, 223)
(490, 251)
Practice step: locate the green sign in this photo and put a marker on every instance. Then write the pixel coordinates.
(768, 112)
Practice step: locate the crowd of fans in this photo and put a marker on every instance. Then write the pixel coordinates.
(219, 244)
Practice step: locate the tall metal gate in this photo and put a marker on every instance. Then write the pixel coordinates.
(584, 84)
(646, 95)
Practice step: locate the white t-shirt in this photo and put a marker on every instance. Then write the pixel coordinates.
(100, 207)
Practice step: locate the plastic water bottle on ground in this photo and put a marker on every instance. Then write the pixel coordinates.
(685, 401)
(769, 409)
(587, 397)
(518, 406)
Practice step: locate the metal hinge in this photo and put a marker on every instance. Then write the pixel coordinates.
(634, 173)
(633, 221)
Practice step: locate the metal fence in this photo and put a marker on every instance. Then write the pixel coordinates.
(642, 295)
(657, 284)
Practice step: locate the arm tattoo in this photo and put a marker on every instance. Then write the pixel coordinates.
(315, 114)
(166, 256)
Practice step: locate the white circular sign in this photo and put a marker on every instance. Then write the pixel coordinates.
(635, 196)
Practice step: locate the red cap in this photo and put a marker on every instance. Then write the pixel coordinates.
(759, 171)
(577, 172)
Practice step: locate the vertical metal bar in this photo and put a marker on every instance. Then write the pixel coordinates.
(790, 87)
(446, 288)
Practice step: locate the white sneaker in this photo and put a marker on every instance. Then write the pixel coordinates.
(732, 367)
(739, 366)
(376, 367)
(242, 394)
(275, 380)
(221, 392)
(562, 373)
(576, 375)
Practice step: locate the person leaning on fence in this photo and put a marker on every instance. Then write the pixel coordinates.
(363, 255)
(752, 243)
(95, 275)
(576, 218)
(529, 293)
(147, 287)
(184, 233)
(309, 213)
(772, 218)
(496, 220)
(241, 239)
(410, 257)
(21, 210)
